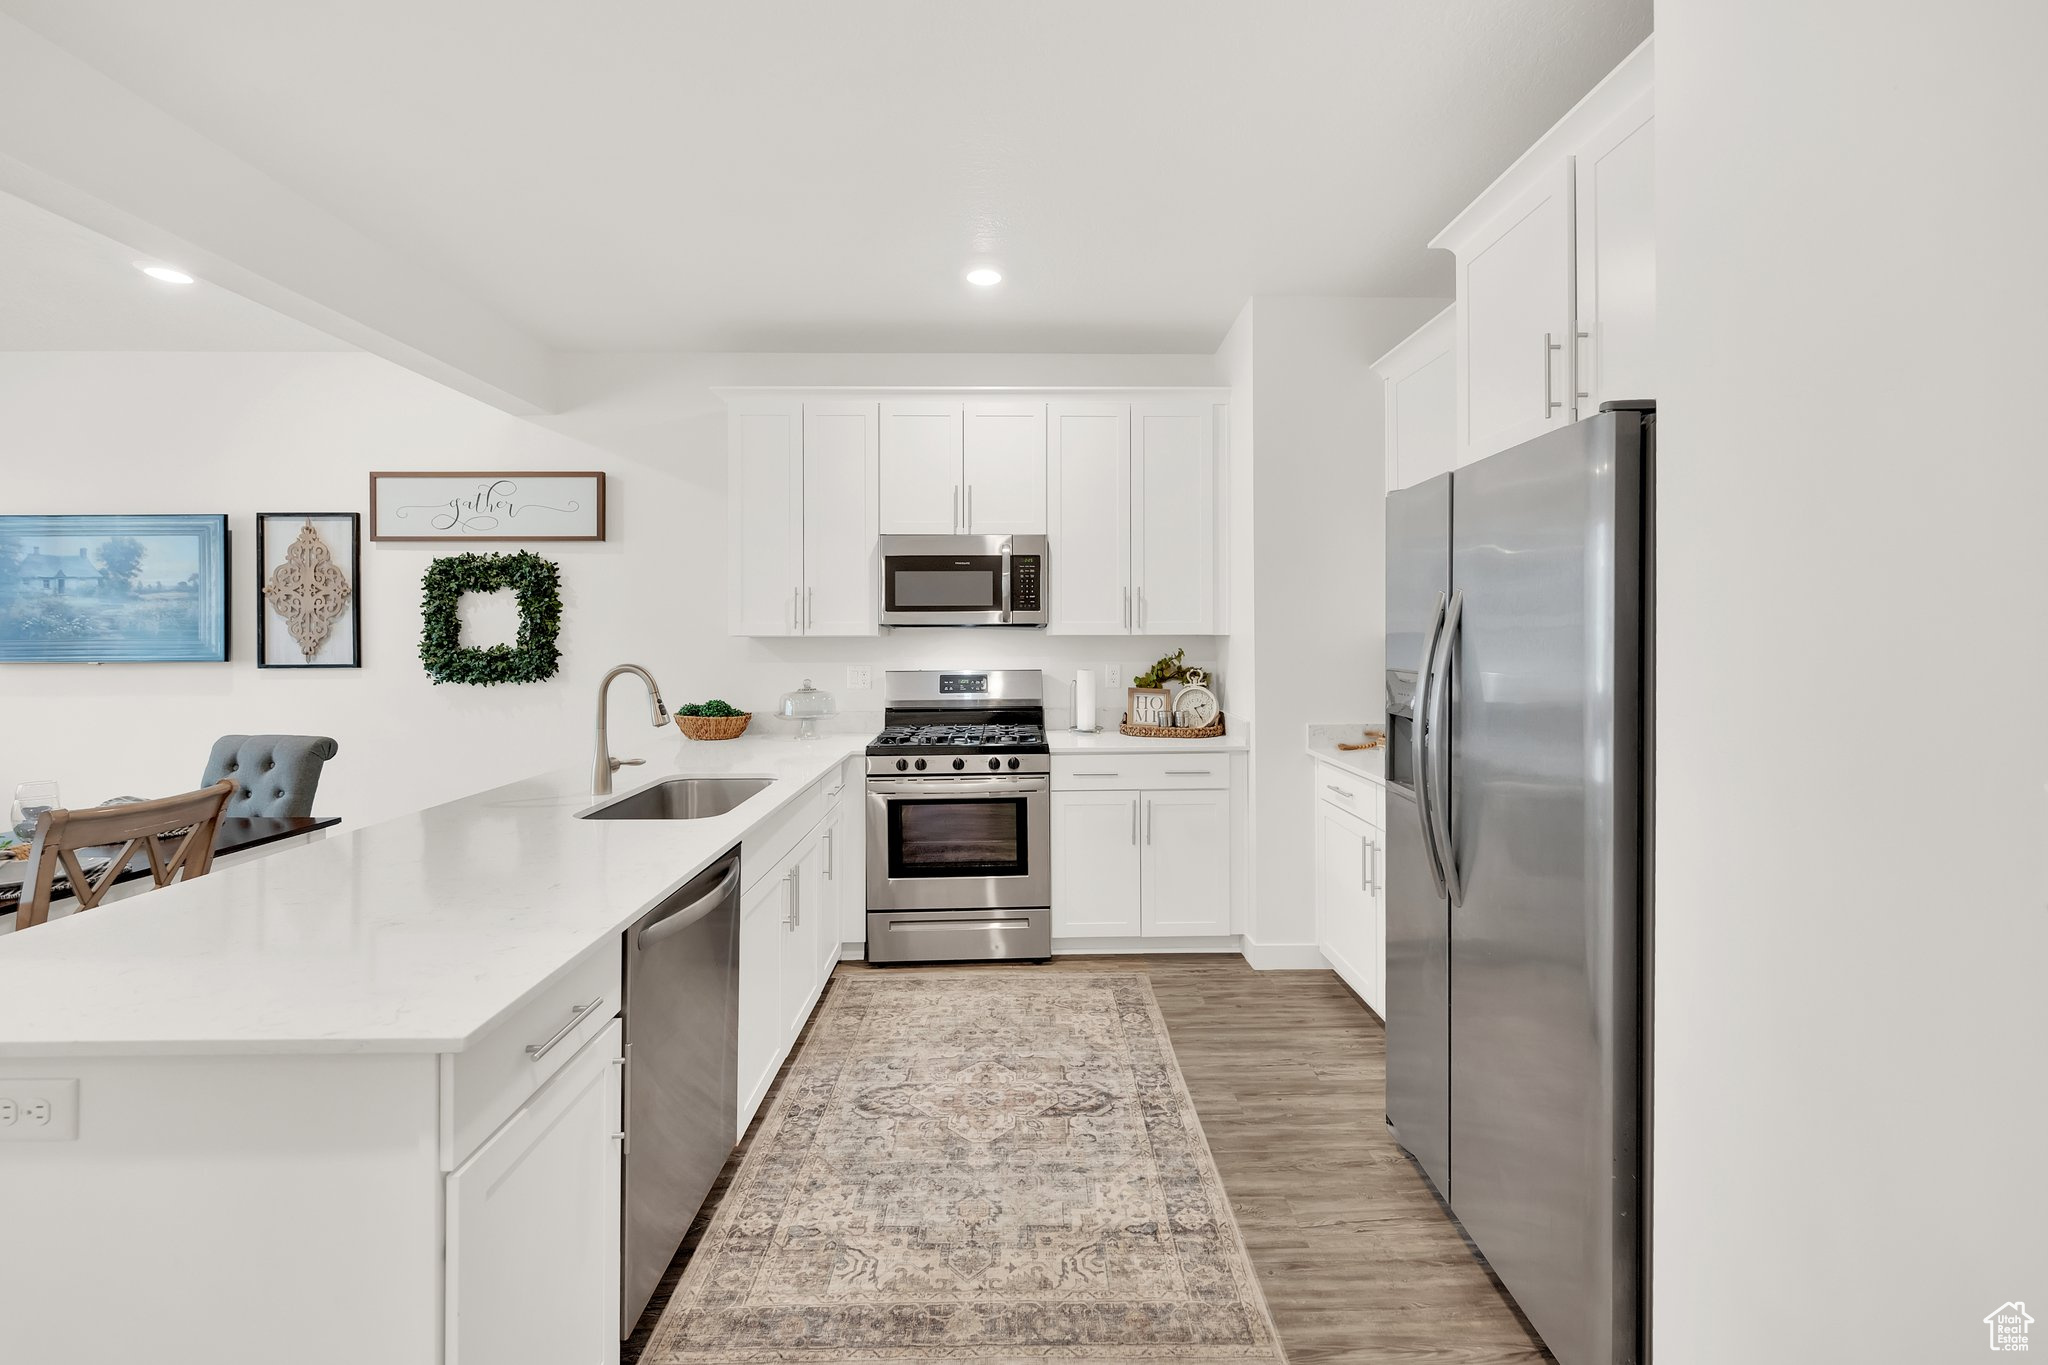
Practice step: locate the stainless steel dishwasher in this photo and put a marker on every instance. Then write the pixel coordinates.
(682, 1070)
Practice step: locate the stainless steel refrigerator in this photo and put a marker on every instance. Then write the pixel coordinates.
(1518, 695)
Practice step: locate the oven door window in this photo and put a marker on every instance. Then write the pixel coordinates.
(943, 583)
(958, 838)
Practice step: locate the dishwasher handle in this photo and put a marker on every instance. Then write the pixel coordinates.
(683, 917)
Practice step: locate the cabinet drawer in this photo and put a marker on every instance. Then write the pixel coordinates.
(1360, 796)
(775, 838)
(1150, 772)
(483, 1084)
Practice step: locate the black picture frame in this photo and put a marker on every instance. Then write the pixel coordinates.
(355, 575)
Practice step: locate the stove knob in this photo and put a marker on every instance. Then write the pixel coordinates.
(1013, 764)
(994, 764)
(920, 765)
(901, 764)
(959, 763)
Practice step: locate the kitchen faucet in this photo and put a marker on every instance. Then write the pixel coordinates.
(601, 774)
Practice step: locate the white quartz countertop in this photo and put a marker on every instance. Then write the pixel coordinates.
(1370, 764)
(1110, 741)
(413, 935)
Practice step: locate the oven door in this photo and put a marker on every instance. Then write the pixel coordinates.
(959, 843)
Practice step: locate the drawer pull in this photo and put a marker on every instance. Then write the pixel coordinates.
(1082, 774)
(576, 1012)
(1333, 787)
(1189, 772)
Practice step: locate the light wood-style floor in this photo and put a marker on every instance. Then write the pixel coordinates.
(1358, 1259)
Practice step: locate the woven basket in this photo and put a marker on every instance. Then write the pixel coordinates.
(1170, 731)
(714, 727)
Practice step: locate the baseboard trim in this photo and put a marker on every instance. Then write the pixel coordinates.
(1284, 957)
(1075, 947)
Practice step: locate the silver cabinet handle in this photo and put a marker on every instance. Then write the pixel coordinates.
(1365, 865)
(1578, 392)
(789, 920)
(576, 1013)
(1134, 822)
(1333, 787)
(956, 506)
(1189, 772)
(624, 1062)
(831, 853)
(1127, 608)
(810, 607)
(1096, 774)
(1550, 404)
(970, 507)
(796, 610)
(1138, 616)
(1148, 822)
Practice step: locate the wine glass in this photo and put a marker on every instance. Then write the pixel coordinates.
(31, 799)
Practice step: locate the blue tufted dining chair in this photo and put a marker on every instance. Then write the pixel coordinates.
(274, 775)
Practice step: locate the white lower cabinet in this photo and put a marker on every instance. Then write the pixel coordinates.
(1096, 864)
(801, 977)
(1187, 863)
(764, 915)
(533, 1225)
(789, 942)
(1140, 861)
(1351, 921)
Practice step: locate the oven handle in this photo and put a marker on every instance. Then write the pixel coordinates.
(962, 788)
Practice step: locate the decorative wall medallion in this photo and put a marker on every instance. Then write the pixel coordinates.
(309, 589)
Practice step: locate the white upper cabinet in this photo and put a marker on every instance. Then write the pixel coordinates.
(1556, 272)
(1088, 499)
(922, 491)
(1003, 468)
(1173, 517)
(1515, 319)
(764, 516)
(1617, 259)
(841, 572)
(1420, 382)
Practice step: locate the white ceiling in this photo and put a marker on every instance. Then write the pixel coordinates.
(739, 175)
(66, 288)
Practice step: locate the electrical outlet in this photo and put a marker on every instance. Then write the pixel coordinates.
(1110, 674)
(859, 677)
(38, 1110)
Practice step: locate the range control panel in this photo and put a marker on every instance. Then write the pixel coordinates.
(963, 684)
(1024, 575)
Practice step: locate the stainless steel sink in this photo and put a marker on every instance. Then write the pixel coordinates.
(682, 798)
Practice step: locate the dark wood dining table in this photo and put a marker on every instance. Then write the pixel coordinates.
(236, 834)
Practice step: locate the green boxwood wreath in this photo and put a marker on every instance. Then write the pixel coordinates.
(536, 582)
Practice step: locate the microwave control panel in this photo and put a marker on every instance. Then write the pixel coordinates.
(1024, 583)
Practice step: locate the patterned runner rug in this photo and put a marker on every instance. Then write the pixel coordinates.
(986, 1166)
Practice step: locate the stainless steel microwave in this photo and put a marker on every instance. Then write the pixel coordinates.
(963, 581)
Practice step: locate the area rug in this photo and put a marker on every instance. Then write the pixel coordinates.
(986, 1166)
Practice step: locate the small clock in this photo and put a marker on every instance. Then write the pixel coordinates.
(1195, 708)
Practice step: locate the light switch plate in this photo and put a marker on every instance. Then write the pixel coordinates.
(859, 677)
(43, 1110)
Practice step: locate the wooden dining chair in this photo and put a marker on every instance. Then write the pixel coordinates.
(144, 825)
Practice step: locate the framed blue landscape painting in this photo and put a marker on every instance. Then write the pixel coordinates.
(113, 589)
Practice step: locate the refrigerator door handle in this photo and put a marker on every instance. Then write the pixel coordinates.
(1419, 739)
(1437, 818)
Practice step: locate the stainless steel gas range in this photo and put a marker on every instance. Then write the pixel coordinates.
(960, 818)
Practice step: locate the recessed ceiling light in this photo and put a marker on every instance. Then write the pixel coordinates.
(984, 276)
(164, 273)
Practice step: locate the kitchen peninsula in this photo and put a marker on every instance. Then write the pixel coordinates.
(279, 1074)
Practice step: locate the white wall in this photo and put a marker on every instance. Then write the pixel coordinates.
(242, 433)
(1318, 581)
(1851, 1025)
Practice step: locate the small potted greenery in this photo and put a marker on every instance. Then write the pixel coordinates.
(712, 719)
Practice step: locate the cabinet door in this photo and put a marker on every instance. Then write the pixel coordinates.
(764, 517)
(763, 915)
(850, 852)
(1088, 524)
(533, 1225)
(1173, 518)
(1187, 863)
(830, 886)
(921, 492)
(1004, 468)
(1376, 943)
(1095, 865)
(1515, 321)
(800, 978)
(1616, 228)
(842, 572)
(1421, 393)
(1344, 902)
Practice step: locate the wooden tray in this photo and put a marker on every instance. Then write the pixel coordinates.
(1124, 726)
